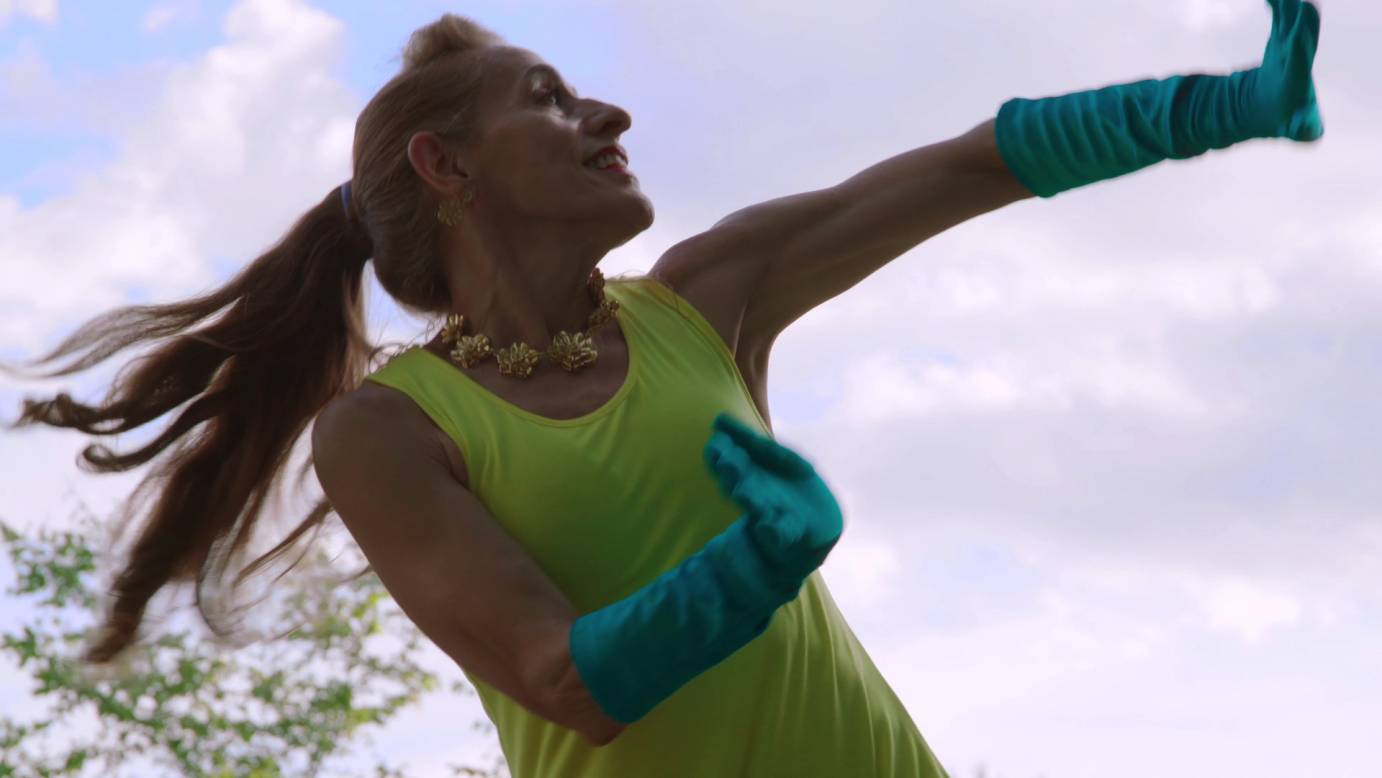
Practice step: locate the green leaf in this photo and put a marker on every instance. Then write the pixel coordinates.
(215, 712)
(75, 759)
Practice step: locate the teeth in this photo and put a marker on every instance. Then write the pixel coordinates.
(605, 160)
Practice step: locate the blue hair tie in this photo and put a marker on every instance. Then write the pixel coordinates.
(345, 198)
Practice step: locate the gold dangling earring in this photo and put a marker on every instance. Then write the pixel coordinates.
(451, 210)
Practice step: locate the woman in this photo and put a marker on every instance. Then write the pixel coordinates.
(628, 597)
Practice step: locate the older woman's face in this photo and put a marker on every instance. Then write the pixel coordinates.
(537, 136)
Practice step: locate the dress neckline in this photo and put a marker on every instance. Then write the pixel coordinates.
(609, 405)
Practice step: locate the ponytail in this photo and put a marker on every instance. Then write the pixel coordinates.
(292, 337)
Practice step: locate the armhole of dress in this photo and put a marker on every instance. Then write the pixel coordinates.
(712, 337)
(441, 421)
(693, 317)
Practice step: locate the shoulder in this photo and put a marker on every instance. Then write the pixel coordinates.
(371, 405)
(381, 415)
(710, 277)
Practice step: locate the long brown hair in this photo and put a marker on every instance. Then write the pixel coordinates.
(292, 337)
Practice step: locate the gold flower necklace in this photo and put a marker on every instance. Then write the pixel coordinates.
(573, 351)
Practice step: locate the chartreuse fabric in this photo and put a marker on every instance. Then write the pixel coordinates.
(606, 503)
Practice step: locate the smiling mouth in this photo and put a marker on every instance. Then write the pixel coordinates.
(618, 170)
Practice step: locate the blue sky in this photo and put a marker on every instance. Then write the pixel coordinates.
(1107, 459)
(119, 43)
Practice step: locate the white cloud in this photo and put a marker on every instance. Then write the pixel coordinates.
(1246, 608)
(883, 386)
(212, 169)
(160, 16)
(1210, 15)
(1117, 658)
(104, 101)
(25, 71)
(863, 567)
(1066, 634)
(40, 10)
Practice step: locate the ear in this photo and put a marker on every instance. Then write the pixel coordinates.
(435, 162)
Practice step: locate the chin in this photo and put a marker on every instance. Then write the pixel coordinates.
(650, 214)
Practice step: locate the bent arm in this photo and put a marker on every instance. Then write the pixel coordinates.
(466, 583)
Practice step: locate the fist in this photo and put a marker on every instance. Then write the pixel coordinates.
(1281, 96)
(792, 515)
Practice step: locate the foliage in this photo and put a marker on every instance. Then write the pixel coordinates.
(197, 707)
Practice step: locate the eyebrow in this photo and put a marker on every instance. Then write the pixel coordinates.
(548, 70)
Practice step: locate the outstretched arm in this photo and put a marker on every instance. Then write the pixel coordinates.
(818, 245)
(786, 256)
(777, 260)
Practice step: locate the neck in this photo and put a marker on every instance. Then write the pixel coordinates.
(528, 292)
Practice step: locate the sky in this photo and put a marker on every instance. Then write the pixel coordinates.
(1106, 459)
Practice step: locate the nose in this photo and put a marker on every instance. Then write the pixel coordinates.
(608, 119)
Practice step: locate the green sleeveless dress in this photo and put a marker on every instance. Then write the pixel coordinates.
(607, 502)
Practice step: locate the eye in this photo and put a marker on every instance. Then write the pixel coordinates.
(549, 93)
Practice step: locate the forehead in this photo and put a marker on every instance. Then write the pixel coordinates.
(511, 66)
(508, 71)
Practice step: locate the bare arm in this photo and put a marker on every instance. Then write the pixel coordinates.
(782, 258)
(467, 584)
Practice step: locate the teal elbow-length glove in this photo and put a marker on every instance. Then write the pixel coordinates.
(635, 653)
(1060, 143)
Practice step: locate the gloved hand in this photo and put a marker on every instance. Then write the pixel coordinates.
(633, 654)
(791, 514)
(1281, 95)
(1059, 143)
